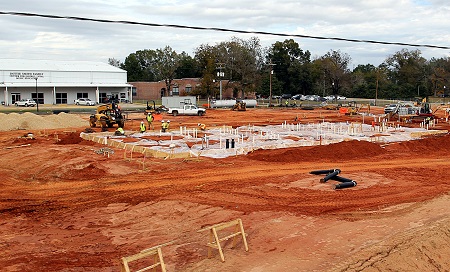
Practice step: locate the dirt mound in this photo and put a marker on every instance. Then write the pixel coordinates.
(424, 247)
(71, 138)
(346, 150)
(85, 171)
(31, 121)
(431, 144)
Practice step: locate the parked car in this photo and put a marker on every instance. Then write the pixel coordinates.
(84, 102)
(390, 108)
(286, 96)
(25, 103)
(298, 97)
(313, 97)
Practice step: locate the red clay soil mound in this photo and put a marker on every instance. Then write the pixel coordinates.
(71, 138)
(346, 150)
(432, 144)
(80, 172)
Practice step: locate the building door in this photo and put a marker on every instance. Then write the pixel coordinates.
(15, 97)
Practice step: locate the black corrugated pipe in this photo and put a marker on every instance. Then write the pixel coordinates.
(341, 179)
(321, 172)
(330, 175)
(344, 185)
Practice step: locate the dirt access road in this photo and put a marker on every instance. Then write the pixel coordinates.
(65, 208)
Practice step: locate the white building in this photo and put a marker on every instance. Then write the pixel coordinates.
(61, 82)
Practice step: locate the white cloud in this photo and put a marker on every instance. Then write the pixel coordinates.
(406, 21)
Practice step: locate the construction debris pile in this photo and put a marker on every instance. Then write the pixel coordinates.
(224, 141)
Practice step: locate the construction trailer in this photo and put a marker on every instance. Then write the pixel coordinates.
(178, 101)
(231, 103)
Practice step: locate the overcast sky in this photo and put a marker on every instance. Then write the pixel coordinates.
(405, 21)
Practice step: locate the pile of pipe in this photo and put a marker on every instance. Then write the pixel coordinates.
(332, 174)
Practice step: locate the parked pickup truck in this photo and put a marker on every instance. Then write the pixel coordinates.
(187, 110)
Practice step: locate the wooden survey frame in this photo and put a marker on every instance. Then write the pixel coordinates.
(214, 240)
(155, 251)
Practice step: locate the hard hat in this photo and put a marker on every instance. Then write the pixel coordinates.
(199, 124)
(149, 113)
(142, 122)
(162, 121)
(168, 121)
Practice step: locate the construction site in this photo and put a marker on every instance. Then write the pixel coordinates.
(260, 189)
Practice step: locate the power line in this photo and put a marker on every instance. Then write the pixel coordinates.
(219, 29)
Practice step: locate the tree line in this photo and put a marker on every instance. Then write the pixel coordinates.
(247, 67)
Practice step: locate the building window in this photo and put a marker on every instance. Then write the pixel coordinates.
(188, 89)
(102, 97)
(61, 98)
(175, 91)
(82, 95)
(39, 99)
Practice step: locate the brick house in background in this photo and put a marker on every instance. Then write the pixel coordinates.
(180, 87)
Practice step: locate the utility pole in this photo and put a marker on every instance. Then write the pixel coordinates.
(270, 82)
(220, 75)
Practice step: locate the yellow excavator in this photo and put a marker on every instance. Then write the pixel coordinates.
(239, 106)
(107, 116)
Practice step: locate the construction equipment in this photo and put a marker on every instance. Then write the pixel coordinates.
(425, 113)
(156, 112)
(107, 115)
(350, 108)
(240, 106)
(153, 109)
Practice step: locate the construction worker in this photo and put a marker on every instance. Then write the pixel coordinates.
(119, 132)
(142, 128)
(202, 126)
(150, 121)
(165, 125)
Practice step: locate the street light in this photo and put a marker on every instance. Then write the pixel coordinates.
(37, 99)
(332, 90)
(444, 93)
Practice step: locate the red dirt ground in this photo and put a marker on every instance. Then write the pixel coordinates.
(66, 208)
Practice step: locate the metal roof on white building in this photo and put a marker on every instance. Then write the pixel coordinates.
(56, 65)
(52, 73)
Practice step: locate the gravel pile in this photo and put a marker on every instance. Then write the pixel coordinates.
(31, 121)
